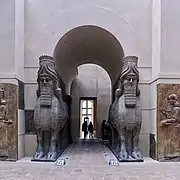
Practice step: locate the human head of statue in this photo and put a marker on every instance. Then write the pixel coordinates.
(129, 79)
(172, 101)
(47, 79)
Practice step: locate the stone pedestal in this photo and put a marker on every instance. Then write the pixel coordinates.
(9, 128)
(168, 137)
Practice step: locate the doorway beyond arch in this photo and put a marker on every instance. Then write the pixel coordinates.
(91, 84)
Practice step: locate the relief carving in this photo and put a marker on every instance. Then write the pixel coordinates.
(172, 112)
(168, 122)
(8, 121)
(3, 109)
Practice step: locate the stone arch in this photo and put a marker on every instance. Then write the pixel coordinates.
(51, 26)
(88, 44)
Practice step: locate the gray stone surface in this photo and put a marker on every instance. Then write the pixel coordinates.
(88, 162)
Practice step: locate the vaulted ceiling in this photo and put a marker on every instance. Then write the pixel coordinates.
(88, 44)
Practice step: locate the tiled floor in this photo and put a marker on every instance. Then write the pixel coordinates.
(88, 160)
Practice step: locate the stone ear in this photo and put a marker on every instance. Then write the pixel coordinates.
(118, 92)
(138, 92)
(38, 92)
(58, 92)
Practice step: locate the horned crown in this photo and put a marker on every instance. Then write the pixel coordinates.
(48, 60)
(47, 67)
(129, 59)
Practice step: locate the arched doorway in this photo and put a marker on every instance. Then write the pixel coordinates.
(91, 98)
(87, 44)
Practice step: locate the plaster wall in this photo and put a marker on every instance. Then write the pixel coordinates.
(170, 38)
(12, 39)
(47, 22)
(7, 36)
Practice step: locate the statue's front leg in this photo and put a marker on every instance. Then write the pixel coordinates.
(65, 136)
(136, 154)
(123, 155)
(52, 154)
(39, 151)
(113, 138)
(129, 143)
(117, 143)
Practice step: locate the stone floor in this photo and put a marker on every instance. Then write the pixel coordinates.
(88, 161)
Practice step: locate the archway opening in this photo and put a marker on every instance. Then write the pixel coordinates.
(88, 45)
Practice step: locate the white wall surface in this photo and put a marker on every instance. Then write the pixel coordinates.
(46, 22)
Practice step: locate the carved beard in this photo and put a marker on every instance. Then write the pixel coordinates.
(46, 93)
(130, 95)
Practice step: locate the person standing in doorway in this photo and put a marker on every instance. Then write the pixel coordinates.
(91, 130)
(84, 128)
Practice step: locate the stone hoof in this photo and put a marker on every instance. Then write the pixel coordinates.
(130, 158)
(52, 156)
(38, 155)
(123, 155)
(136, 155)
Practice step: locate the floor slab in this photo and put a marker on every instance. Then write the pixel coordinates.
(89, 160)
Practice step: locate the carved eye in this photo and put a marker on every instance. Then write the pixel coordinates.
(130, 79)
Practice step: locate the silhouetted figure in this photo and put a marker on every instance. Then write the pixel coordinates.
(84, 129)
(103, 130)
(90, 129)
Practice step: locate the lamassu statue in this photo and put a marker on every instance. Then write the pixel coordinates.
(50, 113)
(125, 116)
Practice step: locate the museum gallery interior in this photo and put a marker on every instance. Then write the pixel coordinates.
(64, 62)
